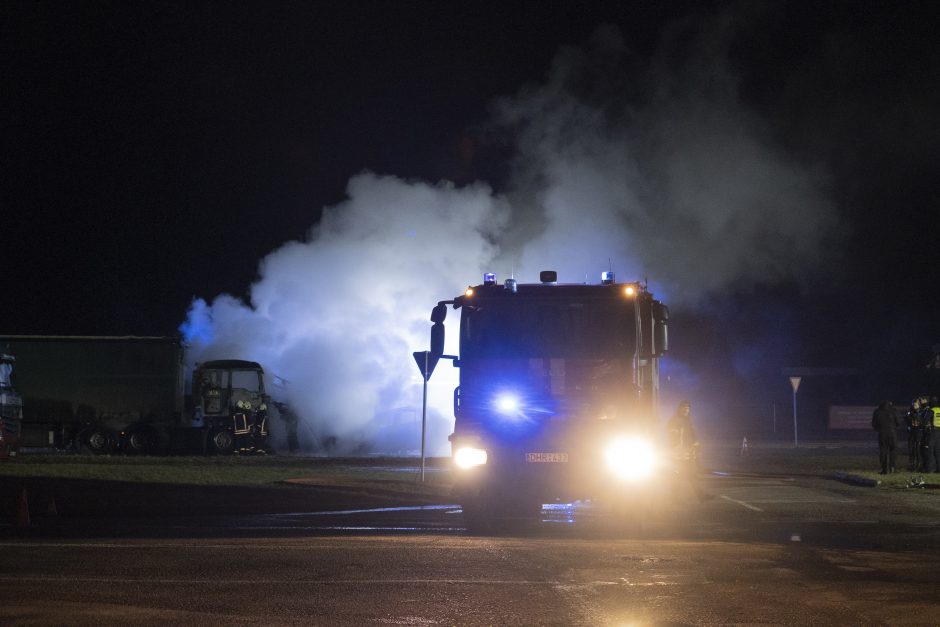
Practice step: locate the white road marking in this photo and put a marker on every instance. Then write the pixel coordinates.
(326, 581)
(742, 503)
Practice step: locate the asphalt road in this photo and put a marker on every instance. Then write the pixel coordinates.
(769, 550)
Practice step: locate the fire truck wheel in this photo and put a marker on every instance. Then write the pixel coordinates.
(220, 440)
(100, 441)
(629, 518)
(487, 513)
(477, 516)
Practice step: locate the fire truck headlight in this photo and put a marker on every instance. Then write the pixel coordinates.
(469, 457)
(507, 403)
(631, 458)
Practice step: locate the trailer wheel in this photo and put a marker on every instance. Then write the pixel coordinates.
(220, 440)
(140, 442)
(100, 441)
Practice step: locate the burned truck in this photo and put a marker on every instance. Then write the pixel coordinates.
(128, 394)
(557, 396)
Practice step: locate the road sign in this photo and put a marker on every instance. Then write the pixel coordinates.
(795, 383)
(426, 362)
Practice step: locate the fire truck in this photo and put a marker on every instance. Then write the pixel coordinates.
(557, 397)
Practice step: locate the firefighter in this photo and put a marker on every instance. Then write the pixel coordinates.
(290, 423)
(684, 444)
(915, 435)
(884, 421)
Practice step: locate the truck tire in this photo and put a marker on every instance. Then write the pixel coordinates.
(478, 517)
(100, 441)
(490, 513)
(629, 518)
(141, 441)
(220, 440)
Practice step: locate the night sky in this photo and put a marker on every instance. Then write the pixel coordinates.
(155, 152)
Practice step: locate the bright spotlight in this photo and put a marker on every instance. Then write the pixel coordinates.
(469, 457)
(507, 404)
(631, 458)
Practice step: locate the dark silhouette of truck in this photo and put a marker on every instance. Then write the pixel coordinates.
(558, 395)
(11, 407)
(129, 394)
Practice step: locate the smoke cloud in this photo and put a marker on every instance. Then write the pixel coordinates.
(654, 167)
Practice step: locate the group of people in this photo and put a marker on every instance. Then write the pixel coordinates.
(923, 434)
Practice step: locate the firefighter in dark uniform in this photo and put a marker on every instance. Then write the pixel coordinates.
(684, 444)
(915, 435)
(884, 421)
(290, 424)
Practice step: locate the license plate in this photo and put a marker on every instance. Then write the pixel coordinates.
(546, 457)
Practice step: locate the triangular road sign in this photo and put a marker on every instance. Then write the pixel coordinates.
(426, 362)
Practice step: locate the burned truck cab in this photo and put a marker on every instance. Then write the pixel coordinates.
(558, 394)
(230, 405)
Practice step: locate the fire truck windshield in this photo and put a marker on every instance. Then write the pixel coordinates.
(526, 328)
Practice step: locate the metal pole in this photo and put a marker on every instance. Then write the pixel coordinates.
(796, 442)
(775, 418)
(424, 412)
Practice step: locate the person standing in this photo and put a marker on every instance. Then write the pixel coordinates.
(932, 426)
(915, 435)
(290, 424)
(684, 444)
(884, 421)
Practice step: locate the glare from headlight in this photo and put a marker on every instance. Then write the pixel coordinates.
(631, 458)
(468, 457)
(507, 404)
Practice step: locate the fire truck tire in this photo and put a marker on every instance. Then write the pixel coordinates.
(629, 519)
(488, 514)
(477, 516)
(141, 441)
(220, 440)
(100, 441)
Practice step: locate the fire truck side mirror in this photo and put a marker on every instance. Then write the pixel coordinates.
(437, 338)
(439, 313)
(660, 328)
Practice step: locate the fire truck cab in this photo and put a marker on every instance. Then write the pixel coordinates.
(557, 395)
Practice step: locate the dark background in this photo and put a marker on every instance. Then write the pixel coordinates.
(153, 152)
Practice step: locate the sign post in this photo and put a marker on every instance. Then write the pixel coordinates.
(426, 362)
(795, 384)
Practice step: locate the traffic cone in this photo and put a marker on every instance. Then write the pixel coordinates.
(22, 510)
(744, 449)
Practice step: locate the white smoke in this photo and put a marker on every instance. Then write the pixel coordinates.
(338, 315)
(661, 172)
